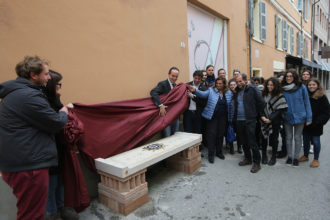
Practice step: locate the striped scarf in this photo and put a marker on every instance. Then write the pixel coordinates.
(272, 105)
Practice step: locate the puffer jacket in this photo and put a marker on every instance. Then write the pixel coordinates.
(299, 108)
(213, 96)
(27, 127)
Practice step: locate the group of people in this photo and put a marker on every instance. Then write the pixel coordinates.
(32, 118)
(259, 111)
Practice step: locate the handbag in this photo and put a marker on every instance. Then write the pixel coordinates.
(230, 134)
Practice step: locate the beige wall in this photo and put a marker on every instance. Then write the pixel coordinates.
(267, 50)
(110, 50)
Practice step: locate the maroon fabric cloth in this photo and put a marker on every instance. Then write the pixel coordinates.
(107, 129)
(31, 190)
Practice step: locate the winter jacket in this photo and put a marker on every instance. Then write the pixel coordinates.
(213, 95)
(321, 113)
(252, 100)
(27, 127)
(299, 108)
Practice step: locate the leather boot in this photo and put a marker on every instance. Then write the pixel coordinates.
(272, 160)
(239, 149)
(231, 149)
(264, 159)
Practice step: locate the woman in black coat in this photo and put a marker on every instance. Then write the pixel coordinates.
(321, 113)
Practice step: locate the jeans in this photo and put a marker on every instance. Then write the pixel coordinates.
(307, 144)
(55, 194)
(171, 129)
(246, 135)
(296, 132)
(192, 121)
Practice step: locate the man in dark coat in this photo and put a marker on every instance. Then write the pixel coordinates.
(192, 117)
(248, 104)
(162, 88)
(27, 143)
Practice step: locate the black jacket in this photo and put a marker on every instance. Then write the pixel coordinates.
(200, 103)
(253, 102)
(162, 87)
(27, 127)
(321, 113)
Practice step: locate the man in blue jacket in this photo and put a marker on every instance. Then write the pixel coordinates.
(27, 143)
(248, 103)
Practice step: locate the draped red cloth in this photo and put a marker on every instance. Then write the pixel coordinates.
(104, 130)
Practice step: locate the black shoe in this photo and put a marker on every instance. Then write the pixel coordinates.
(289, 161)
(221, 156)
(281, 154)
(295, 162)
(211, 159)
(245, 162)
(239, 149)
(272, 161)
(231, 150)
(264, 159)
(255, 168)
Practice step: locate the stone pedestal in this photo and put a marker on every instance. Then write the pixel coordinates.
(187, 161)
(123, 195)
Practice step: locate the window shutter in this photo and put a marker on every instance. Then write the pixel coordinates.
(262, 21)
(306, 10)
(284, 35)
(276, 30)
(306, 49)
(298, 44)
(291, 39)
(300, 5)
(301, 44)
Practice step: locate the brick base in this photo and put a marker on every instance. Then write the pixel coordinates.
(123, 195)
(187, 161)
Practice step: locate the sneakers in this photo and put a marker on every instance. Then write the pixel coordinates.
(295, 163)
(303, 159)
(255, 168)
(289, 161)
(245, 162)
(315, 163)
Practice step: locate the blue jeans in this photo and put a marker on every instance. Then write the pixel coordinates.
(55, 194)
(171, 129)
(315, 140)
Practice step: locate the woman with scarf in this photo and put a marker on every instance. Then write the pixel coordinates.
(271, 118)
(321, 113)
(217, 112)
(298, 115)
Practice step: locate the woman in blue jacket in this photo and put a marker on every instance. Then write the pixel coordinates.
(298, 114)
(217, 112)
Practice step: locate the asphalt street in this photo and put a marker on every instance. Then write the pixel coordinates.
(224, 190)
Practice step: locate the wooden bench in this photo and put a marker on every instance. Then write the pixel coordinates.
(123, 186)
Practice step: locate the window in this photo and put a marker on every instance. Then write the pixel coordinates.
(278, 31)
(300, 44)
(262, 19)
(306, 10)
(284, 35)
(306, 48)
(300, 5)
(259, 20)
(291, 41)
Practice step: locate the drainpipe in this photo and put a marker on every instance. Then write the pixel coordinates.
(313, 27)
(250, 14)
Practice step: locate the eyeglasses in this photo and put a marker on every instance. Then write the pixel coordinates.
(59, 85)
